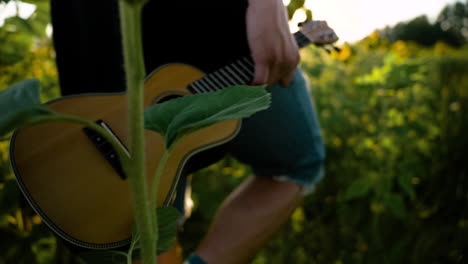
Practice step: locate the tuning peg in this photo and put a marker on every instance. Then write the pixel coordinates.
(300, 24)
(327, 49)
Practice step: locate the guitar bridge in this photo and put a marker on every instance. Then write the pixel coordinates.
(106, 148)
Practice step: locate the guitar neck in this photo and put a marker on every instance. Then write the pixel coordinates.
(240, 72)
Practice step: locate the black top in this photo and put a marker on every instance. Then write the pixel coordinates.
(206, 34)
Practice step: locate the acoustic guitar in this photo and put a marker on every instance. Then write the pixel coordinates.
(72, 177)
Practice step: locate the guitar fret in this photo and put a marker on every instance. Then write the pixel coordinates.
(247, 70)
(194, 85)
(244, 67)
(200, 87)
(221, 79)
(211, 85)
(239, 71)
(249, 62)
(227, 76)
(191, 89)
(200, 84)
(207, 85)
(217, 80)
(234, 75)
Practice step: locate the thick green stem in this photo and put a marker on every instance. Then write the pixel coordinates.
(154, 190)
(158, 174)
(130, 22)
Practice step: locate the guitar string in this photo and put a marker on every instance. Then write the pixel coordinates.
(207, 88)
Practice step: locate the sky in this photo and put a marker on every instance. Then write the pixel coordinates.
(354, 19)
(351, 19)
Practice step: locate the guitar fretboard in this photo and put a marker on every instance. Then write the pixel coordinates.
(240, 72)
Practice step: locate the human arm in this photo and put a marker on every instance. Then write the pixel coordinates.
(272, 46)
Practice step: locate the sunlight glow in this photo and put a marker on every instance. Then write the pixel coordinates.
(24, 10)
(299, 16)
(353, 20)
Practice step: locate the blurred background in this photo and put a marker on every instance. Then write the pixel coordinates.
(393, 105)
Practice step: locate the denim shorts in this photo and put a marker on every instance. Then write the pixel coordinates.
(283, 142)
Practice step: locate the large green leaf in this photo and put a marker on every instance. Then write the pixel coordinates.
(358, 188)
(15, 45)
(19, 106)
(396, 205)
(182, 116)
(167, 227)
(167, 230)
(405, 183)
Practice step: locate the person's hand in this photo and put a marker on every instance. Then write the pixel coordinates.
(272, 46)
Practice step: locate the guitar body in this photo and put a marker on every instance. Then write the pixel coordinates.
(72, 186)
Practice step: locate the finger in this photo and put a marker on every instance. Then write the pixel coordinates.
(261, 74)
(286, 80)
(278, 71)
(286, 69)
(281, 72)
(274, 75)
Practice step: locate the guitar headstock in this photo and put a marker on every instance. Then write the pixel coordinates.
(318, 32)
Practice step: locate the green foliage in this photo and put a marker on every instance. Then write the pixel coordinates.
(9, 197)
(20, 34)
(25, 53)
(179, 117)
(293, 6)
(11, 54)
(20, 106)
(167, 227)
(358, 188)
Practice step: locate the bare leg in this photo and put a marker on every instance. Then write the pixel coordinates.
(247, 219)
